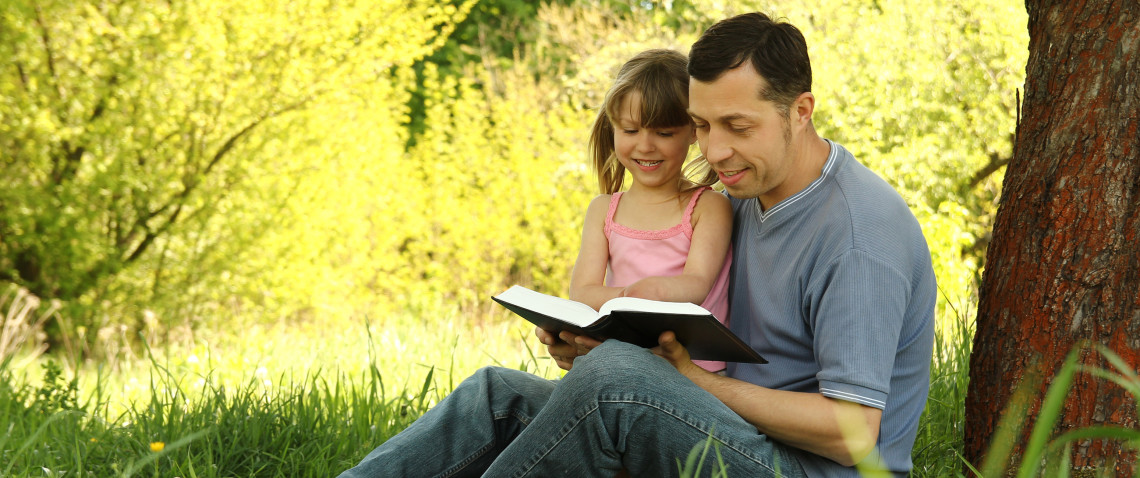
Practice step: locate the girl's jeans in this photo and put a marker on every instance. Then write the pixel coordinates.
(621, 406)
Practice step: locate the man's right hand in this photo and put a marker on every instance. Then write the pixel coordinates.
(565, 347)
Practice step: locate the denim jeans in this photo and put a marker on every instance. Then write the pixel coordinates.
(621, 406)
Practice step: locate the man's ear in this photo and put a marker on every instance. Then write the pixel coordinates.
(802, 109)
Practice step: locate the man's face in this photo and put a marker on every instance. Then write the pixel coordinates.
(747, 140)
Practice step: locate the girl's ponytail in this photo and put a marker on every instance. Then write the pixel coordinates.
(611, 174)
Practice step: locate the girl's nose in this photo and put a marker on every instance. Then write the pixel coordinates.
(645, 142)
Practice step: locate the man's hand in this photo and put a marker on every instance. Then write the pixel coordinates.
(565, 347)
(672, 350)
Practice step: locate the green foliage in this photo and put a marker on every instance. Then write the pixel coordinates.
(172, 168)
(145, 139)
(923, 93)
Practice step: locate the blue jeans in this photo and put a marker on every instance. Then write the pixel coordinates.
(621, 406)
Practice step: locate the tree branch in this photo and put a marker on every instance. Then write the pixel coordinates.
(101, 105)
(189, 185)
(232, 141)
(45, 38)
(996, 162)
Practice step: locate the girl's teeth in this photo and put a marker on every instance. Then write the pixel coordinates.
(647, 163)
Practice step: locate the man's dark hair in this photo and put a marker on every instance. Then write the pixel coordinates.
(776, 50)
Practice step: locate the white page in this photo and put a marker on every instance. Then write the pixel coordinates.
(575, 313)
(646, 305)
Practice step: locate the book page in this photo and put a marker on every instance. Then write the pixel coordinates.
(646, 305)
(567, 310)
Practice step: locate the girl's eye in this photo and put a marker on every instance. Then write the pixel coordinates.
(700, 125)
(629, 131)
(665, 134)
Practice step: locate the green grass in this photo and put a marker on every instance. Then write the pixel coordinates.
(301, 401)
(296, 406)
(939, 443)
(309, 426)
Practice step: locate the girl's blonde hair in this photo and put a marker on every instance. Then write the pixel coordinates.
(660, 76)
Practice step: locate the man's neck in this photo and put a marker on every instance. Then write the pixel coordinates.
(811, 152)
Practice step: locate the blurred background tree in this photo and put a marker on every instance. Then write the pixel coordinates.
(172, 167)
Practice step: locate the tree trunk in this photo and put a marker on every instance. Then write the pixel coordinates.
(1064, 264)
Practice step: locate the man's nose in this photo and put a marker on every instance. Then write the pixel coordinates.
(715, 146)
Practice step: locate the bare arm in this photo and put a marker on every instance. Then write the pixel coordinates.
(712, 233)
(587, 281)
(845, 432)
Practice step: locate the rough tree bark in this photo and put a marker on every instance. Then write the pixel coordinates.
(1064, 264)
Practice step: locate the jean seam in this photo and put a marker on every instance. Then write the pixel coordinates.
(483, 451)
(696, 427)
(566, 432)
(467, 461)
(525, 420)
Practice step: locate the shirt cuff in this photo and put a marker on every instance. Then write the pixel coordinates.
(854, 393)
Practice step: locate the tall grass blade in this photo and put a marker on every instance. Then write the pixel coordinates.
(969, 465)
(1125, 377)
(32, 439)
(1106, 432)
(1047, 416)
(1009, 427)
(695, 460)
(426, 387)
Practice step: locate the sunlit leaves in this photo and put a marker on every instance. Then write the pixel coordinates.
(924, 93)
(213, 159)
(138, 132)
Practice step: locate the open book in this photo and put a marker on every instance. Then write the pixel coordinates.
(633, 320)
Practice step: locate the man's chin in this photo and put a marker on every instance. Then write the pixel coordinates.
(740, 191)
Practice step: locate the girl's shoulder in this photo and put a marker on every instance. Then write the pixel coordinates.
(601, 201)
(711, 203)
(599, 207)
(706, 197)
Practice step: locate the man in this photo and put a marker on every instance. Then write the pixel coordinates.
(831, 282)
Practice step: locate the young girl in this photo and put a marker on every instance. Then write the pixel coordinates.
(664, 238)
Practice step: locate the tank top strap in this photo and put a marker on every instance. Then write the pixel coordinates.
(687, 220)
(609, 224)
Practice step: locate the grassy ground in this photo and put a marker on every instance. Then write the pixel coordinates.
(295, 402)
(308, 401)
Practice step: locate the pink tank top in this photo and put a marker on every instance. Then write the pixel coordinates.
(636, 254)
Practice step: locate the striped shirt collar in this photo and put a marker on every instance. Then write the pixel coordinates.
(827, 167)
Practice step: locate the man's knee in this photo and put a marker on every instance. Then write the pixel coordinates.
(617, 365)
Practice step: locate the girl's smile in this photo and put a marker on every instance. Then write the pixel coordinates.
(653, 156)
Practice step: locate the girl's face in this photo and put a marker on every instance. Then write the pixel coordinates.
(654, 156)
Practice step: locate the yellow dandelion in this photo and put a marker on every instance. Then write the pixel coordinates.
(93, 439)
(157, 446)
